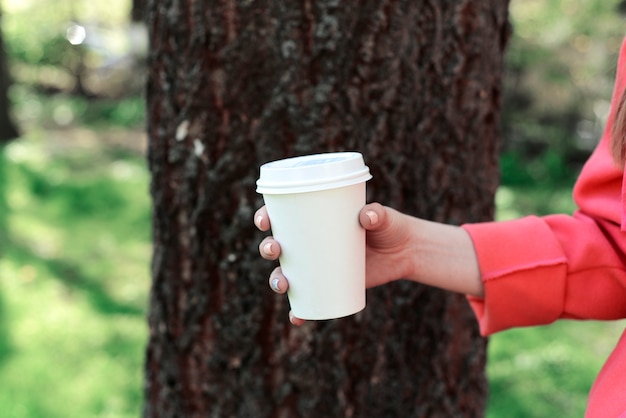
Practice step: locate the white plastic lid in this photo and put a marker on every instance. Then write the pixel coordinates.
(311, 173)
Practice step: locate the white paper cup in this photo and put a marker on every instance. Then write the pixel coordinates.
(313, 203)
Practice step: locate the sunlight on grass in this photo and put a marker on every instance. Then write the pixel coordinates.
(75, 280)
(513, 203)
(547, 371)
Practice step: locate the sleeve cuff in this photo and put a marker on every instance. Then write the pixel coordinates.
(523, 269)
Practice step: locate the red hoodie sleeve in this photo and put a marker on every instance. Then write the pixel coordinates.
(536, 270)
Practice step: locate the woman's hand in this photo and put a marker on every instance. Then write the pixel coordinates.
(388, 248)
(399, 246)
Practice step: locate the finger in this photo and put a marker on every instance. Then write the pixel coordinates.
(295, 321)
(278, 282)
(269, 248)
(372, 216)
(261, 219)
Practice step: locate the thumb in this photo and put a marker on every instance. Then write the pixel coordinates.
(372, 216)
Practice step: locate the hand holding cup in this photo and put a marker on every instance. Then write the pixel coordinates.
(314, 203)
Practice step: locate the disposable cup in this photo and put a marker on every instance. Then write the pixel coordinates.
(313, 203)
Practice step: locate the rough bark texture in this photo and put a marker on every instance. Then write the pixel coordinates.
(8, 130)
(413, 85)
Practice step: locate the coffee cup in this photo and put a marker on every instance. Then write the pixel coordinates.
(313, 202)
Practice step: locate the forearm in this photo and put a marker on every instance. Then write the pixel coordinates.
(444, 256)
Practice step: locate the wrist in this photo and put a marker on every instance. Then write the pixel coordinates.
(444, 256)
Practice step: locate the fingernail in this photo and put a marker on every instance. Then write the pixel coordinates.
(258, 221)
(275, 285)
(267, 248)
(295, 321)
(372, 216)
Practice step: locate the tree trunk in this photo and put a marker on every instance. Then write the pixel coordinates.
(138, 11)
(415, 87)
(8, 130)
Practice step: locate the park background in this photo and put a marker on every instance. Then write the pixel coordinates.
(75, 238)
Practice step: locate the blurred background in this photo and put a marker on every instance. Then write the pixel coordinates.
(75, 210)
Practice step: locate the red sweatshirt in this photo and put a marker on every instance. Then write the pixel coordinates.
(537, 270)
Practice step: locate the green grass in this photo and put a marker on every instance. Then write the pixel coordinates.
(547, 371)
(74, 268)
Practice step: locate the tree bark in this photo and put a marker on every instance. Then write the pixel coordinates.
(138, 11)
(414, 86)
(8, 129)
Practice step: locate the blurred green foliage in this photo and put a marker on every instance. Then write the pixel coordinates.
(74, 217)
(560, 73)
(75, 279)
(63, 110)
(95, 78)
(547, 170)
(36, 30)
